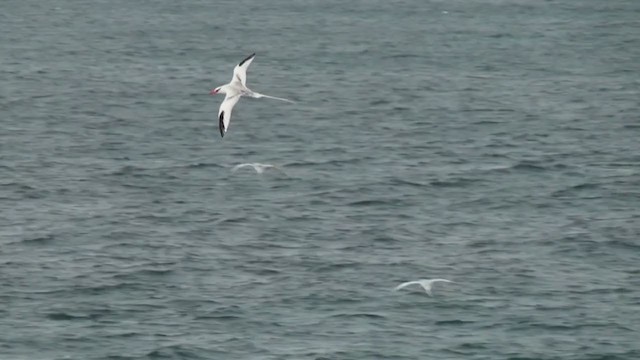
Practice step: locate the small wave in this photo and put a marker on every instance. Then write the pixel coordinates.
(582, 326)
(126, 334)
(585, 186)
(474, 346)
(384, 239)
(453, 322)
(398, 181)
(466, 349)
(101, 289)
(121, 235)
(176, 352)
(58, 316)
(143, 272)
(18, 186)
(527, 166)
(628, 244)
(501, 35)
(299, 164)
(486, 122)
(359, 315)
(327, 162)
(230, 220)
(452, 183)
(335, 354)
(575, 188)
(605, 290)
(63, 316)
(24, 190)
(39, 240)
(222, 317)
(403, 56)
(119, 357)
(335, 267)
(127, 170)
(372, 202)
(379, 102)
(267, 272)
(200, 165)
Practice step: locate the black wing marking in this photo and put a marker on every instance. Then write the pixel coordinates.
(221, 123)
(248, 58)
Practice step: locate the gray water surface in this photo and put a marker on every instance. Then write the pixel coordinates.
(493, 143)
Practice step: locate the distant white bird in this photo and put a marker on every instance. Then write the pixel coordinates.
(234, 90)
(425, 283)
(259, 168)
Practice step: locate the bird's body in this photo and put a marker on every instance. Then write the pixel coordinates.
(234, 90)
(425, 283)
(259, 168)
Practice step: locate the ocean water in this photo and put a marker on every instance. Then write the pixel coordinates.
(494, 143)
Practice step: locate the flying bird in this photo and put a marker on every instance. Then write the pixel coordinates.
(259, 168)
(234, 90)
(425, 283)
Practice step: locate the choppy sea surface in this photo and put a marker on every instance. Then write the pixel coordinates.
(495, 143)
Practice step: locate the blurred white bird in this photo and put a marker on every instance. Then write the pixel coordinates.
(425, 283)
(259, 168)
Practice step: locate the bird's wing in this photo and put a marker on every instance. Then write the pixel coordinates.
(406, 284)
(240, 71)
(224, 113)
(235, 168)
(445, 280)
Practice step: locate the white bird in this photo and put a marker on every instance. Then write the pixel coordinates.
(234, 90)
(425, 283)
(259, 168)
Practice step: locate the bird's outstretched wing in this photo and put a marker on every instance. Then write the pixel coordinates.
(435, 280)
(240, 71)
(259, 168)
(235, 168)
(224, 113)
(403, 285)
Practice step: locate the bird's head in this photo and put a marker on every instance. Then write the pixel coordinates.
(215, 91)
